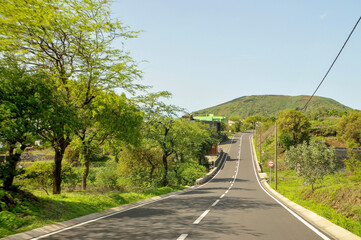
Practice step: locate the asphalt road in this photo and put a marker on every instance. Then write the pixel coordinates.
(231, 206)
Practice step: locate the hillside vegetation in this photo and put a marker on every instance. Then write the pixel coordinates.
(270, 105)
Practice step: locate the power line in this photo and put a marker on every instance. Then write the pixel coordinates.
(305, 107)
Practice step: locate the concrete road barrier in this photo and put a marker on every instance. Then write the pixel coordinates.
(218, 165)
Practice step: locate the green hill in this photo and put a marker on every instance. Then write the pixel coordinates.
(270, 105)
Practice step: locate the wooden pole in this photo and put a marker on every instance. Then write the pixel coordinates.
(276, 156)
(260, 144)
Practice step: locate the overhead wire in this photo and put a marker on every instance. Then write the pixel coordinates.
(323, 79)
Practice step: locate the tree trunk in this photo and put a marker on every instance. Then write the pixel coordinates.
(152, 169)
(165, 164)
(85, 172)
(11, 167)
(59, 154)
(148, 158)
(57, 171)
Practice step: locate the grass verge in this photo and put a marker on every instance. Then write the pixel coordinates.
(22, 211)
(338, 199)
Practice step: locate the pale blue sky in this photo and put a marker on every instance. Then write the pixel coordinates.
(206, 52)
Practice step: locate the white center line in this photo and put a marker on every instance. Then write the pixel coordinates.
(222, 196)
(182, 237)
(226, 192)
(215, 203)
(201, 216)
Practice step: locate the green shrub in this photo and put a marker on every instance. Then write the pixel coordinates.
(39, 175)
(71, 176)
(189, 172)
(173, 178)
(107, 177)
(353, 162)
(286, 141)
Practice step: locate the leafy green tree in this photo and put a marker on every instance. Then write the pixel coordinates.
(74, 42)
(295, 124)
(107, 117)
(193, 140)
(253, 120)
(159, 122)
(349, 128)
(26, 99)
(140, 166)
(312, 161)
(237, 123)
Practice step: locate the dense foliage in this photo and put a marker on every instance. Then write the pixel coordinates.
(295, 125)
(60, 85)
(349, 128)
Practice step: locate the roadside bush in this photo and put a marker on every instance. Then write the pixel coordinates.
(39, 175)
(173, 178)
(139, 168)
(189, 172)
(286, 141)
(71, 176)
(353, 163)
(106, 176)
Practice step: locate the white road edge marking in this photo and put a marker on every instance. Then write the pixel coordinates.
(182, 237)
(215, 203)
(315, 230)
(201, 216)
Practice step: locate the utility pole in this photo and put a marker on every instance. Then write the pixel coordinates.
(260, 145)
(276, 155)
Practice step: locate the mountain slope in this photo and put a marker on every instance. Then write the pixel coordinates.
(270, 105)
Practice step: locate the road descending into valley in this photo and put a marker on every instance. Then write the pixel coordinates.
(231, 206)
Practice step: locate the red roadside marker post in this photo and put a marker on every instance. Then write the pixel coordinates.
(270, 163)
